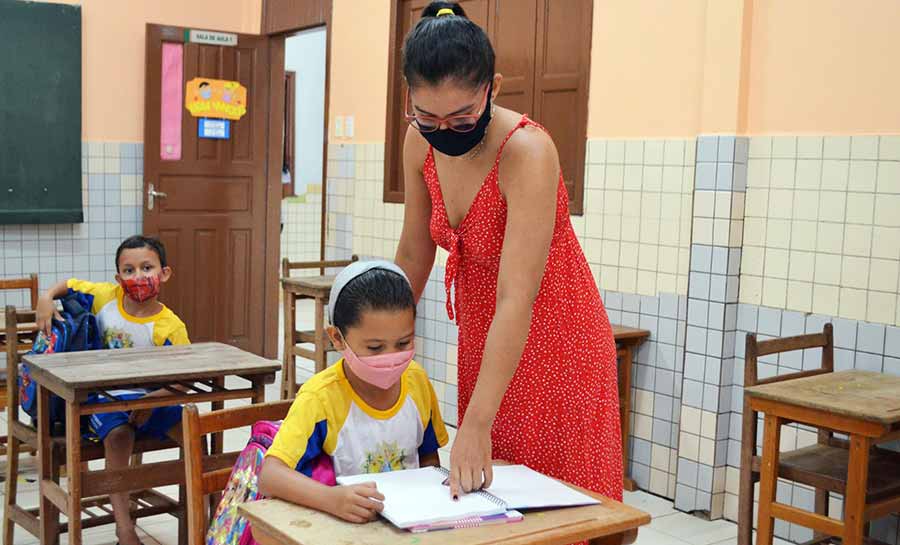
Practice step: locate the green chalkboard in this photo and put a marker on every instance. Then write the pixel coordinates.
(40, 113)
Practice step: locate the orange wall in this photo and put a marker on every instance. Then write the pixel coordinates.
(113, 54)
(646, 68)
(359, 65)
(825, 66)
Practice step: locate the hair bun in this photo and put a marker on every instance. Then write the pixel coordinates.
(440, 9)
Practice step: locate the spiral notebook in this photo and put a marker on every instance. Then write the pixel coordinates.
(417, 498)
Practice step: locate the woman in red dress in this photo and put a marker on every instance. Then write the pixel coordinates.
(537, 359)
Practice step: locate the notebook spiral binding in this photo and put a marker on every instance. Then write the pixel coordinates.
(483, 493)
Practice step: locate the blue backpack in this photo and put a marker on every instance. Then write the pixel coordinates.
(77, 331)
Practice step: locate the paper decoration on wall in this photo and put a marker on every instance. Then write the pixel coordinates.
(216, 98)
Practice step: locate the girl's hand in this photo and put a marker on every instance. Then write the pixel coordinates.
(470, 459)
(45, 312)
(357, 503)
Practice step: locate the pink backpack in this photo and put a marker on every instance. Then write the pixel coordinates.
(228, 527)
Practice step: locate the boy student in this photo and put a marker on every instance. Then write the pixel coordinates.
(129, 314)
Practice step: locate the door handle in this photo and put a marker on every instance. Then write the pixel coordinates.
(152, 195)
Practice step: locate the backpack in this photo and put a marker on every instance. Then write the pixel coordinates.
(227, 526)
(77, 331)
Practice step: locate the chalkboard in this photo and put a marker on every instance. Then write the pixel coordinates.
(40, 113)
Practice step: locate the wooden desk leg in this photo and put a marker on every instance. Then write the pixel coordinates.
(289, 361)
(218, 439)
(855, 500)
(627, 355)
(12, 482)
(73, 470)
(745, 496)
(49, 514)
(259, 390)
(320, 332)
(768, 480)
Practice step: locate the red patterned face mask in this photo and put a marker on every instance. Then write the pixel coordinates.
(141, 288)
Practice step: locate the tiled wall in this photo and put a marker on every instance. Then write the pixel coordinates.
(301, 226)
(711, 321)
(823, 226)
(111, 186)
(821, 244)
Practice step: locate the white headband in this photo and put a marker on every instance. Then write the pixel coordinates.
(351, 272)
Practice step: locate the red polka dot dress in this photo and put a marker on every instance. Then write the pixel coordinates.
(560, 414)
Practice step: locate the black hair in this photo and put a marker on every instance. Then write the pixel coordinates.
(141, 241)
(442, 47)
(204, 84)
(377, 289)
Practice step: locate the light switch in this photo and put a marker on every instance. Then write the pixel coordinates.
(348, 126)
(339, 126)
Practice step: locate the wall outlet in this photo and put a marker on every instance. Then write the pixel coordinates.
(339, 126)
(348, 126)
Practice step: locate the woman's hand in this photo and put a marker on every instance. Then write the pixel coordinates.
(356, 503)
(45, 312)
(470, 459)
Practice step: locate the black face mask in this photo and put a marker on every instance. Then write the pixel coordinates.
(454, 143)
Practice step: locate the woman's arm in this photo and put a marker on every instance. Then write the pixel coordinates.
(358, 503)
(415, 253)
(531, 169)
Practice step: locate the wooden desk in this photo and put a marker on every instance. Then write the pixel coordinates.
(627, 341)
(317, 288)
(862, 404)
(275, 522)
(199, 368)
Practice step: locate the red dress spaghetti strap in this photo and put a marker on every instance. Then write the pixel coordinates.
(560, 414)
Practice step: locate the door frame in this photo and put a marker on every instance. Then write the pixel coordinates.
(280, 19)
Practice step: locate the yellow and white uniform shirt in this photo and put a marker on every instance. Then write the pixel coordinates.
(329, 418)
(122, 330)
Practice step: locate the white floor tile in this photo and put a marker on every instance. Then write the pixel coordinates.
(693, 529)
(649, 536)
(654, 505)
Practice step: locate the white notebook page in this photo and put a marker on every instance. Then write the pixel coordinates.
(416, 497)
(523, 488)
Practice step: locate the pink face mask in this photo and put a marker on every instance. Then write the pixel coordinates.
(383, 370)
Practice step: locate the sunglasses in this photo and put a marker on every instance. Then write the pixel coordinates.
(457, 123)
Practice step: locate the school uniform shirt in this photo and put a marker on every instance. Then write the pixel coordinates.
(329, 418)
(122, 330)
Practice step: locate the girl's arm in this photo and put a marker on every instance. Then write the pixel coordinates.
(531, 170)
(358, 503)
(415, 252)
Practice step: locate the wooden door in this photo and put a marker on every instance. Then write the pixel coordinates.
(562, 70)
(512, 33)
(213, 217)
(408, 14)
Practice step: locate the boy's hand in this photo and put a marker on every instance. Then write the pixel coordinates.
(139, 417)
(46, 311)
(357, 503)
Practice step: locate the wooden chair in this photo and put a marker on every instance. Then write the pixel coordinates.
(317, 288)
(207, 475)
(24, 437)
(25, 330)
(822, 466)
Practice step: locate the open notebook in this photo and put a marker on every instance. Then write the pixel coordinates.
(417, 497)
